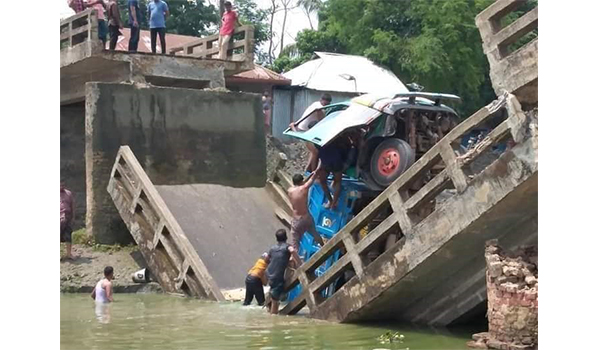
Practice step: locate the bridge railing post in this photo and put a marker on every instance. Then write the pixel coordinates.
(395, 205)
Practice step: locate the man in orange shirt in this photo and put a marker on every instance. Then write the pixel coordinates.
(228, 24)
(255, 281)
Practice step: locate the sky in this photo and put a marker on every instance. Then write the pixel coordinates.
(296, 20)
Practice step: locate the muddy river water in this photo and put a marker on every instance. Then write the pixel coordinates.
(154, 321)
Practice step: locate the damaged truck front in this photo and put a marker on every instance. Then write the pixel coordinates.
(389, 132)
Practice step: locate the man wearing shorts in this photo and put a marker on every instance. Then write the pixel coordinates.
(332, 157)
(66, 218)
(279, 257)
(302, 221)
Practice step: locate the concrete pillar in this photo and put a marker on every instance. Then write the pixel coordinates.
(179, 136)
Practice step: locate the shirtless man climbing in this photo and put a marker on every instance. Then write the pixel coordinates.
(302, 221)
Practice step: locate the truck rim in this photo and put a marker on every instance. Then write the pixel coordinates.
(388, 161)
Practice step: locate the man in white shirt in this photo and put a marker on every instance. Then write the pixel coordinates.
(315, 115)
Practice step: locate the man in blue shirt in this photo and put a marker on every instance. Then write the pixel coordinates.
(158, 12)
(134, 24)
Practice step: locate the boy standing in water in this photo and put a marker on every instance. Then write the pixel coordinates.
(280, 256)
(102, 293)
(255, 281)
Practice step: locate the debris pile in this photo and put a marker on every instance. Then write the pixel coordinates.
(512, 290)
(296, 153)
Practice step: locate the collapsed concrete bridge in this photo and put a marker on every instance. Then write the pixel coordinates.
(433, 273)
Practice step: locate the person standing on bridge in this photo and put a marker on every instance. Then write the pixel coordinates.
(158, 11)
(302, 221)
(134, 25)
(77, 5)
(114, 24)
(228, 23)
(279, 256)
(100, 6)
(67, 209)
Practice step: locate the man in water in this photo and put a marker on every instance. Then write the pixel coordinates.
(315, 115)
(302, 221)
(279, 256)
(255, 281)
(67, 209)
(102, 293)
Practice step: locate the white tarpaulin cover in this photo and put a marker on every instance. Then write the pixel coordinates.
(345, 73)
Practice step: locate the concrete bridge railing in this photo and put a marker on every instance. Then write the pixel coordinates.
(79, 28)
(397, 211)
(241, 47)
(167, 251)
(513, 71)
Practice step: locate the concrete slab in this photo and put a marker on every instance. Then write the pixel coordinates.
(228, 227)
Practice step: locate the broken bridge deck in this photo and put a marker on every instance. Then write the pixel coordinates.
(199, 238)
(228, 227)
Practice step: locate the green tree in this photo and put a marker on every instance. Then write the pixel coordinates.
(432, 42)
(192, 17)
(250, 14)
(307, 42)
(309, 7)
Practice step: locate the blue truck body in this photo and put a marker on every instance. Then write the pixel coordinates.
(328, 223)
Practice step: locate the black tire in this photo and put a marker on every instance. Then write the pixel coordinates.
(395, 155)
(368, 180)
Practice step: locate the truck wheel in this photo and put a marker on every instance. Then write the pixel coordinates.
(390, 159)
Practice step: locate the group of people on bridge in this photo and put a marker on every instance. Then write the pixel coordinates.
(110, 23)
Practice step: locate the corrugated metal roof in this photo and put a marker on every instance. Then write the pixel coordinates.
(260, 74)
(173, 40)
(345, 73)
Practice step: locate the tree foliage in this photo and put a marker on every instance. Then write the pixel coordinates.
(192, 17)
(432, 42)
(250, 14)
